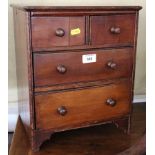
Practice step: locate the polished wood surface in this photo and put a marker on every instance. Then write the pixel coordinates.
(104, 139)
(71, 86)
(47, 66)
(112, 29)
(77, 31)
(82, 106)
(78, 10)
(24, 68)
(52, 73)
(83, 8)
(44, 31)
(48, 32)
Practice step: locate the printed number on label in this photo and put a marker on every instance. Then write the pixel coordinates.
(89, 58)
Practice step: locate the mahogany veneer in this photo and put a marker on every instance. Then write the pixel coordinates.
(46, 71)
(75, 67)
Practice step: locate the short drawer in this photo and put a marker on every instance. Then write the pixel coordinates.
(74, 108)
(113, 29)
(84, 66)
(49, 32)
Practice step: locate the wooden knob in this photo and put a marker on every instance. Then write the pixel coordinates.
(111, 102)
(111, 65)
(60, 32)
(61, 69)
(115, 30)
(62, 110)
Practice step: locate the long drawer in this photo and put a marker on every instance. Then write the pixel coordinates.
(72, 108)
(69, 67)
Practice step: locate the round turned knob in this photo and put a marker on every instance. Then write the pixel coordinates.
(60, 32)
(61, 69)
(111, 65)
(62, 110)
(115, 30)
(111, 102)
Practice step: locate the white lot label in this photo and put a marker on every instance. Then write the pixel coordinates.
(89, 58)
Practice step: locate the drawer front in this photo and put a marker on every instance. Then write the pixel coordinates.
(69, 67)
(113, 29)
(48, 32)
(73, 108)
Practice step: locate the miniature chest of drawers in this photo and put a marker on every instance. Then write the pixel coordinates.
(75, 67)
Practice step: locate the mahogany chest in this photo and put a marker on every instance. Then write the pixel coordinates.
(75, 67)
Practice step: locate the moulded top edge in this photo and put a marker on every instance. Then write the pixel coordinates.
(76, 8)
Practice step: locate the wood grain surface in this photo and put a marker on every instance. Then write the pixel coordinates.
(50, 44)
(44, 31)
(46, 73)
(82, 106)
(24, 68)
(101, 29)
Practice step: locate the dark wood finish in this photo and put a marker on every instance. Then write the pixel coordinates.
(81, 104)
(77, 8)
(103, 139)
(24, 69)
(112, 29)
(72, 86)
(79, 13)
(62, 110)
(134, 52)
(48, 32)
(50, 42)
(82, 47)
(115, 30)
(60, 32)
(111, 102)
(124, 124)
(48, 67)
(38, 138)
(78, 37)
(61, 69)
(44, 31)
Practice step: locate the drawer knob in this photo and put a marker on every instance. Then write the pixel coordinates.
(111, 102)
(62, 110)
(115, 30)
(60, 32)
(61, 69)
(111, 65)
